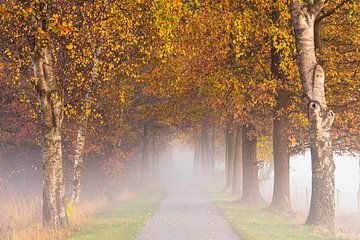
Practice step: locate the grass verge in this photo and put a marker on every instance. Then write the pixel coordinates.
(20, 217)
(258, 224)
(121, 221)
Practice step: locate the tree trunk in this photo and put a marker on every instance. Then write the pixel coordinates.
(281, 194)
(78, 161)
(322, 207)
(230, 148)
(81, 136)
(238, 164)
(154, 156)
(212, 151)
(51, 112)
(227, 167)
(145, 157)
(251, 190)
(205, 151)
(196, 156)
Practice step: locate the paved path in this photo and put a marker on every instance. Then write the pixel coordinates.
(186, 214)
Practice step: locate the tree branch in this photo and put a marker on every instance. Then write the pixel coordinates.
(330, 12)
(318, 5)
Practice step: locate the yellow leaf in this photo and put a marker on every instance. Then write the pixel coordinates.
(69, 46)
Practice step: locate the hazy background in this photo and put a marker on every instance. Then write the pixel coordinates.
(180, 170)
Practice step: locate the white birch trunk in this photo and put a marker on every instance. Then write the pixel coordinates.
(81, 136)
(51, 111)
(322, 207)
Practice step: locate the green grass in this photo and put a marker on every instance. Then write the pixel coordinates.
(122, 221)
(258, 224)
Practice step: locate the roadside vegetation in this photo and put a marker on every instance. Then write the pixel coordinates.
(96, 219)
(255, 223)
(121, 221)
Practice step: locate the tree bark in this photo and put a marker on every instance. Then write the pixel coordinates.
(230, 158)
(204, 150)
(146, 152)
(78, 161)
(212, 151)
(196, 155)
(226, 135)
(251, 190)
(281, 194)
(51, 112)
(322, 206)
(238, 164)
(155, 156)
(81, 136)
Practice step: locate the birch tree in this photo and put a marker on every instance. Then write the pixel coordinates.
(51, 114)
(322, 207)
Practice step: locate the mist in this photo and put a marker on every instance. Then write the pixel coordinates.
(21, 184)
(180, 170)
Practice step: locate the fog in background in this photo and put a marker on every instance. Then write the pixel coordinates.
(21, 182)
(180, 170)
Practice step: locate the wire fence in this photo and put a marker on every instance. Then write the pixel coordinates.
(345, 202)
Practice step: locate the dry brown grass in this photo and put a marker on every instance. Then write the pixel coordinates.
(20, 217)
(348, 225)
(18, 212)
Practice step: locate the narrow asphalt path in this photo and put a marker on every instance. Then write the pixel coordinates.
(186, 214)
